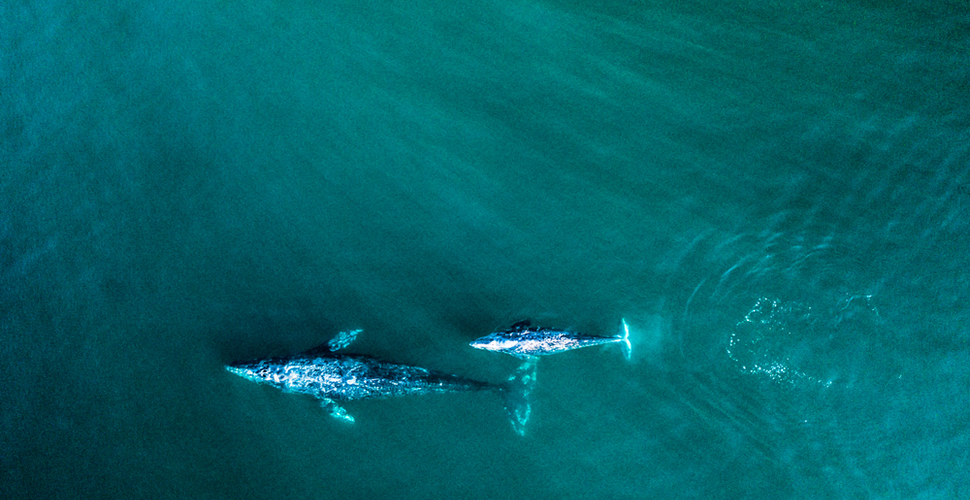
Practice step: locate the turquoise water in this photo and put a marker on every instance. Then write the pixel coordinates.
(773, 194)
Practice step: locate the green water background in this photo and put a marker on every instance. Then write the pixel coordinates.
(774, 194)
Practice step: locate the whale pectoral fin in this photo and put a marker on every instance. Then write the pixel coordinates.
(338, 342)
(343, 339)
(518, 395)
(336, 410)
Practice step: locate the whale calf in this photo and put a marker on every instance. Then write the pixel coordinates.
(335, 377)
(525, 341)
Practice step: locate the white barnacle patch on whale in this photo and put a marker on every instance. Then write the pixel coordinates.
(498, 345)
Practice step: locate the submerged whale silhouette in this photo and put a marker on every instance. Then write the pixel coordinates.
(525, 341)
(334, 377)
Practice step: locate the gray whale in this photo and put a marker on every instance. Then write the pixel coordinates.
(525, 341)
(334, 377)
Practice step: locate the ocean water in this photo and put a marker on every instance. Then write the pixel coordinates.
(773, 194)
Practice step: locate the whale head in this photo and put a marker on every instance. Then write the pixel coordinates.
(258, 371)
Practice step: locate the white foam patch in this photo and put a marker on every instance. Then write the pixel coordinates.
(758, 343)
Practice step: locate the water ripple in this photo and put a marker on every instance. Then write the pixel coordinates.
(773, 305)
(772, 334)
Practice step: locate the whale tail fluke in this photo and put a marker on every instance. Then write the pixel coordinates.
(625, 340)
(518, 395)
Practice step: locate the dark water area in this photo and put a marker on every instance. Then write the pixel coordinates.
(773, 194)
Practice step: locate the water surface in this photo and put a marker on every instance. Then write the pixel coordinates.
(773, 194)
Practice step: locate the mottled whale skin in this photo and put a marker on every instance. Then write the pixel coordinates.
(335, 377)
(525, 341)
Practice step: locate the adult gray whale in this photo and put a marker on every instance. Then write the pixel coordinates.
(334, 377)
(525, 341)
